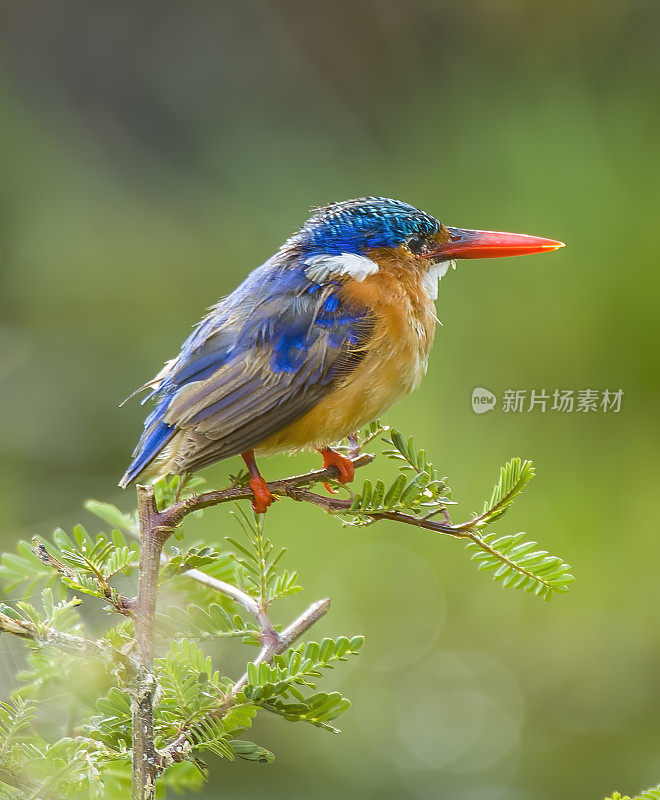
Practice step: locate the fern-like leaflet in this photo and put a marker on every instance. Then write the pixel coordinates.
(648, 794)
(518, 565)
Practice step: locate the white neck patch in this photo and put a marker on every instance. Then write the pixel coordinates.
(324, 267)
(435, 275)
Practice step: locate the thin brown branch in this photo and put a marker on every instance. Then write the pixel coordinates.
(268, 632)
(122, 605)
(172, 516)
(293, 488)
(152, 538)
(338, 506)
(66, 642)
(179, 749)
(287, 637)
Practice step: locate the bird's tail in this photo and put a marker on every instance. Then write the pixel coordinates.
(148, 448)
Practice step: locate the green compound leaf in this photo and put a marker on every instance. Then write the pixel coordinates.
(514, 476)
(16, 715)
(297, 667)
(259, 561)
(112, 723)
(216, 734)
(649, 794)
(195, 557)
(112, 515)
(190, 685)
(80, 562)
(207, 622)
(410, 458)
(249, 751)
(319, 709)
(417, 489)
(517, 564)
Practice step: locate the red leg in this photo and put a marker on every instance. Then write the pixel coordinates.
(262, 495)
(344, 466)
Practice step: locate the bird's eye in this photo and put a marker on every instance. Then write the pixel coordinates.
(416, 244)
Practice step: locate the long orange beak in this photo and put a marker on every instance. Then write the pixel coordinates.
(466, 243)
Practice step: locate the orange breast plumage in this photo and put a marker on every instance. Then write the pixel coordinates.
(400, 302)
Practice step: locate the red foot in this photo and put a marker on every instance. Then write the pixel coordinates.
(343, 464)
(262, 495)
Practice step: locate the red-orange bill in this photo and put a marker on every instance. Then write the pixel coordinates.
(466, 243)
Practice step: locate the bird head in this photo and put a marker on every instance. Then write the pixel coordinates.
(368, 224)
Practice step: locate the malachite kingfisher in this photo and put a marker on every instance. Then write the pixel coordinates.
(317, 341)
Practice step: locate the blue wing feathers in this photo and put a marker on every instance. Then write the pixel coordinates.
(299, 326)
(240, 394)
(148, 449)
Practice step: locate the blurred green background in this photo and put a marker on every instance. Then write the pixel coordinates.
(151, 154)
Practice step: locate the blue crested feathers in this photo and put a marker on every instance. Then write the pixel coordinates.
(355, 226)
